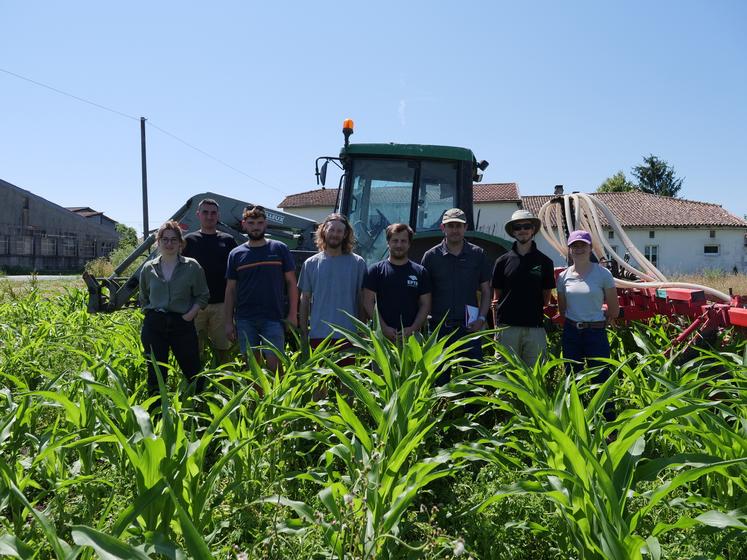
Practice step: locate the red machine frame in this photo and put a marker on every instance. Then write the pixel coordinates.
(707, 316)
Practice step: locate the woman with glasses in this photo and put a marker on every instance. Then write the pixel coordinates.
(583, 288)
(172, 290)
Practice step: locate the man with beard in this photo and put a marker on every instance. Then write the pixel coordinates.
(210, 248)
(330, 282)
(255, 275)
(458, 270)
(523, 279)
(398, 288)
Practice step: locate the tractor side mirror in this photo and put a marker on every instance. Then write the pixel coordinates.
(323, 173)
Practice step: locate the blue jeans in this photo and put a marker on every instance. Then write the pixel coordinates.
(582, 344)
(257, 332)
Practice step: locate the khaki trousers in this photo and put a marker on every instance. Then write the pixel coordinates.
(209, 325)
(528, 343)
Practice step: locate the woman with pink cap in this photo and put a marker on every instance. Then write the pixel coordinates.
(582, 290)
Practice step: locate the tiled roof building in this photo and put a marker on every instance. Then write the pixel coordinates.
(487, 192)
(640, 210)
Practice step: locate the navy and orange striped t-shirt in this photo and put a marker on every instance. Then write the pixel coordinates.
(260, 284)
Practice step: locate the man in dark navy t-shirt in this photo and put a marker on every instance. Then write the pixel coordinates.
(258, 271)
(398, 288)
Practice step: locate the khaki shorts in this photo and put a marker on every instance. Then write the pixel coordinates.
(528, 343)
(209, 325)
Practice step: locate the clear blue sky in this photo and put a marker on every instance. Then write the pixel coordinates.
(548, 92)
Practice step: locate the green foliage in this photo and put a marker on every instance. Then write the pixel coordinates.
(127, 236)
(105, 266)
(656, 176)
(617, 183)
(370, 460)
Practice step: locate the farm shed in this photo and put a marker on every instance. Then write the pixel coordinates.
(38, 235)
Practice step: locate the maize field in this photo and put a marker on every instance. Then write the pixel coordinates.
(368, 461)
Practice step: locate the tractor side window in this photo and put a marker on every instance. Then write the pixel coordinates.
(438, 181)
(381, 195)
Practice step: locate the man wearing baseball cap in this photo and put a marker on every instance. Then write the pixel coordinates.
(523, 280)
(458, 270)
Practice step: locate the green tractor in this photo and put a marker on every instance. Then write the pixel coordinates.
(382, 184)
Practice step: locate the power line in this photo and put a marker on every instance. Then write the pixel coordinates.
(204, 153)
(166, 132)
(66, 94)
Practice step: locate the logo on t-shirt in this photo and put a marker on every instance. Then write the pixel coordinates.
(412, 281)
(536, 270)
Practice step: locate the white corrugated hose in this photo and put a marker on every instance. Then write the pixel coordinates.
(586, 215)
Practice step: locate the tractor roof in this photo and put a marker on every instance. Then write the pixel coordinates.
(419, 151)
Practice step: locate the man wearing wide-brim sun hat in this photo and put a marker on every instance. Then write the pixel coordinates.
(523, 279)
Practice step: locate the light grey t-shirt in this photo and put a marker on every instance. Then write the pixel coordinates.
(335, 284)
(584, 296)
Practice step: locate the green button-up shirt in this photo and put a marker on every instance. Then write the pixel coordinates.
(186, 287)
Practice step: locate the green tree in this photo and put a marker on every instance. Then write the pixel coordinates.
(127, 236)
(617, 183)
(656, 176)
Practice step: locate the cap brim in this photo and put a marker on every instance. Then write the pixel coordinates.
(450, 220)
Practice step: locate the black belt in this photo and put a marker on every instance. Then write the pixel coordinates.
(587, 324)
(162, 313)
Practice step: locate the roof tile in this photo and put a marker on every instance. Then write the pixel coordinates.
(487, 192)
(637, 209)
(632, 209)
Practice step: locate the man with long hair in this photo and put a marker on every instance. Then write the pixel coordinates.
(330, 282)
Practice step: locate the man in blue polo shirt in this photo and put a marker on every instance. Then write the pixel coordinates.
(256, 273)
(458, 270)
(397, 288)
(523, 279)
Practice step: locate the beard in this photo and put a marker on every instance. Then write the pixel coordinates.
(256, 235)
(334, 243)
(398, 253)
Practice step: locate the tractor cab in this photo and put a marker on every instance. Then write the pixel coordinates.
(382, 184)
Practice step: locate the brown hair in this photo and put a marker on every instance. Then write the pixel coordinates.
(172, 225)
(253, 211)
(348, 241)
(391, 229)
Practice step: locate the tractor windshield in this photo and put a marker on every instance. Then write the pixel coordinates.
(382, 194)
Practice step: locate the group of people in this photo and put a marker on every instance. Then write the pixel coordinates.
(203, 287)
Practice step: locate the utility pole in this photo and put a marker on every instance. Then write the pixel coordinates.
(146, 229)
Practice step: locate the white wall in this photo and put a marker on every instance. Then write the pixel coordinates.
(316, 213)
(680, 251)
(493, 216)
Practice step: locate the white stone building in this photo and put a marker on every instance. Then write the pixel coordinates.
(679, 236)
